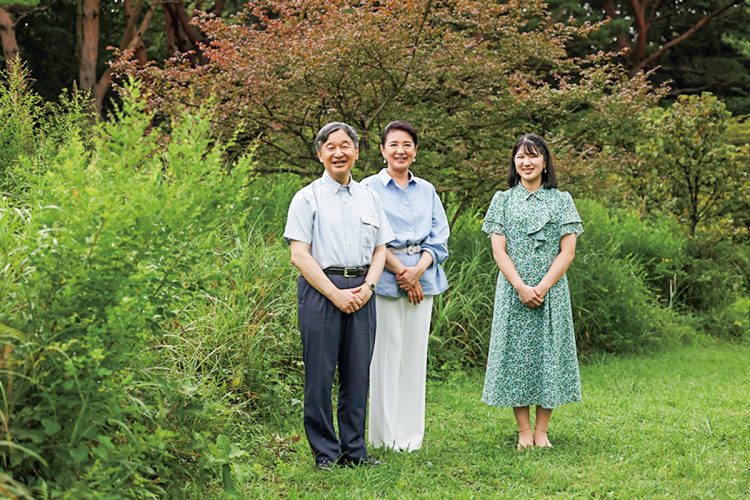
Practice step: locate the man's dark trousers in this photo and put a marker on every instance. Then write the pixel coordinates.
(331, 337)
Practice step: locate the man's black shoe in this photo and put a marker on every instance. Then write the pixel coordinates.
(325, 465)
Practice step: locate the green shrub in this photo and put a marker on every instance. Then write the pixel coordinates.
(33, 130)
(730, 320)
(614, 309)
(714, 286)
(19, 116)
(101, 254)
(716, 274)
(657, 246)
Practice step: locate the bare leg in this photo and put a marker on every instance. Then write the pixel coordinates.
(525, 437)
(541, 425)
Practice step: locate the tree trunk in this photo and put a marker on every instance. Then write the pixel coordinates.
(641, 60)
(132, 38)
(186, 35)
(89, 43)
(131, 16)
(169, 30)
(218, 7)
(8, 38)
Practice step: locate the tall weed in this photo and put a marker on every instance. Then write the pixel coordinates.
(19, 117)
(462, 316)
(114, 241)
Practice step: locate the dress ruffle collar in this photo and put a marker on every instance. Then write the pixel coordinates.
(535, 226)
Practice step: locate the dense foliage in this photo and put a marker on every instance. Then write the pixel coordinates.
(471, 75)
(695, 45)
(114, 245)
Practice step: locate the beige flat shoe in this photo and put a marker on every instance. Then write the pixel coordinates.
(523, 446)
(546, 443)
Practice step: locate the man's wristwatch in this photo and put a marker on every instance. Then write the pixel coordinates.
(371, 285)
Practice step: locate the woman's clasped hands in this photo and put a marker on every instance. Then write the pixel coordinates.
(531, 296)
(408, 280)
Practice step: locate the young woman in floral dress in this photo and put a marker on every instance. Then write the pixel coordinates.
(532, 358)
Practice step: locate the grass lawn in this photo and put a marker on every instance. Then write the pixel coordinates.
(676, 424)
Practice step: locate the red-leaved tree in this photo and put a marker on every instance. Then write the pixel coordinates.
(471, 75)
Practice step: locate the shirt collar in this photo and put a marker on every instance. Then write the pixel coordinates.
(539, 194)
(385, 177)
(334, 187)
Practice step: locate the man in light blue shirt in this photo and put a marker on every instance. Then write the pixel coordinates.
(337, 232)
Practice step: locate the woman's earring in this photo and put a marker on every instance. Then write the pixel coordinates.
(414, 160)
(545, 170)
(385, 162)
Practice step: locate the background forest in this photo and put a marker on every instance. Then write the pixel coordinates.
(147, 302)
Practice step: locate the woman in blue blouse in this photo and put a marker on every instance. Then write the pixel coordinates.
(413, 275)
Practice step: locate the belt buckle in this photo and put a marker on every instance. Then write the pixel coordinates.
(347, 270)
(412, 249)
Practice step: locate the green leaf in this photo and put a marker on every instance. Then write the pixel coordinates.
(80, 454)
(12, 332)
(50, 427)
(223, 448)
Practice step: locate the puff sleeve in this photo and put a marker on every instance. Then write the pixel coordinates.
(494, 220)
(570, 222)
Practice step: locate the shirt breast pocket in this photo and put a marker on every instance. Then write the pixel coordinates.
(369, 229)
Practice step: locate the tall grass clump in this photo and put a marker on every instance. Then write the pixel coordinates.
(240, 340)
(119, 257)
(462, 316)
(620, 282)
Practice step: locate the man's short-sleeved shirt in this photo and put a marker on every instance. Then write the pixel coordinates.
(342, 224)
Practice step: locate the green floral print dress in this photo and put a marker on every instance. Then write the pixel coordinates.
(532, 358)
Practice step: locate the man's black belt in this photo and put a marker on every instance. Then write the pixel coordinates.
(347, 272)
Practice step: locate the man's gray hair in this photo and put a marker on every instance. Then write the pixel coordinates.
(332, 127)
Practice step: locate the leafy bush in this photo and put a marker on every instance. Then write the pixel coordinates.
(33, 130)
(715, 286)
(101, 254)
(730, 321)
(19, 113)
(614, 309)
(656, 246)
(715, 274)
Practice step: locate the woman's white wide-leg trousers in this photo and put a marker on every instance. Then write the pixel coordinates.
(398, 372)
